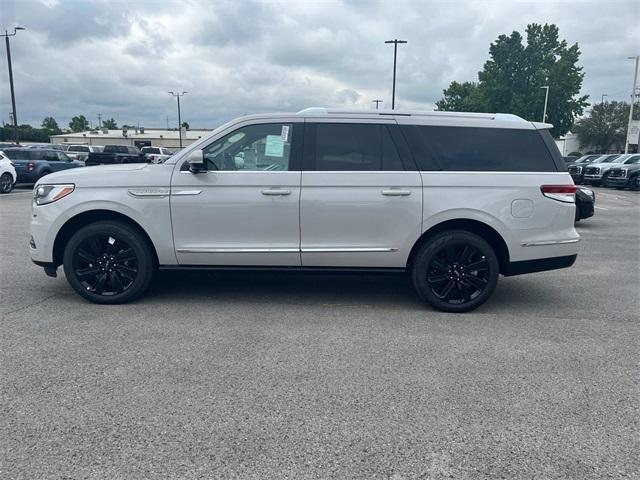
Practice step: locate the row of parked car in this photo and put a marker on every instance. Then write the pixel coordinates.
(26, 164)
(613, 170)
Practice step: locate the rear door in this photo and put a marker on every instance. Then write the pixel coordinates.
(361, 199)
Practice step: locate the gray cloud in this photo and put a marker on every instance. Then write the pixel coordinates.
(120, 58)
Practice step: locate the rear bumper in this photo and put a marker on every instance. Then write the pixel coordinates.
(539, 265)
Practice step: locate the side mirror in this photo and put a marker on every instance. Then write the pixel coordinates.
(196, 161)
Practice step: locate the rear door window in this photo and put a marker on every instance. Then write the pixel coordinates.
(479, 149)
(351, 147)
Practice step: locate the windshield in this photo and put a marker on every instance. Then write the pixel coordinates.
(633, 160)
(610, 159)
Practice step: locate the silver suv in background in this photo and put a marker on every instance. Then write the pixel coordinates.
(597, 172)
(452, 199)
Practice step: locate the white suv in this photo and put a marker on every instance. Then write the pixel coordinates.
(454, 199)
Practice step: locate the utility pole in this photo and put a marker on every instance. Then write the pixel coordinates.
(99, 121)
(395, 56)
(377, 102)
(13, 94)
(546, 99)
(633, 101)
(178, 95)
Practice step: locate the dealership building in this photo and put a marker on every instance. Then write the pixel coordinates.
(137, 137)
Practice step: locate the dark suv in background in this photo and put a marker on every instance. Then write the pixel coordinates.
(34, 163)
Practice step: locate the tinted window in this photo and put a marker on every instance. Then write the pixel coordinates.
(115, 149)
(355, 147)
(16, 154)
(479, 149)
(262, 147)
(78, 148)
(151, 150)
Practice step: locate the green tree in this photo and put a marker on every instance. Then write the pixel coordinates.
(110, 123)
(79, 123)
(605, 128)
(185, 125)
(50, 125)
(463, 97)
(511, 80)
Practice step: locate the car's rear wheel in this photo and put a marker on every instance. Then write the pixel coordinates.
(108, 262)
(6, 183)
(635, 183)
(455, 271)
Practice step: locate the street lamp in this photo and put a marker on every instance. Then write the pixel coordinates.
(377, 102)
(546, 99)
(602, 97)
(6, 36)
(633, 101)
(395, 55)
(178, 95)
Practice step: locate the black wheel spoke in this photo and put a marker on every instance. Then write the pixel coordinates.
(466, 254)
(127, 271)
(86, 256)
(446, 293)
(125, 255)
(87, 273)
(116, 282)
(439, 264)
(437, 278)
(95, 246)
(476, 282)
(450, 253)
(99, 285)
(477, 265)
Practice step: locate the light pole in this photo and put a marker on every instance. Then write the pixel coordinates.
(395, 56)
(377, 102)
(178, 95)
(602, 97)
(633, 101)
(546, 99)
(13, 94)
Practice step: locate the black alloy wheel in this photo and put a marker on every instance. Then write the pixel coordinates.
(635, 183)
(108, 262)
(456, 271)
(6, 183)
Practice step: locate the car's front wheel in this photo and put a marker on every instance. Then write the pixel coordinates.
(455, 271)
(108, 262)
(635, 183)
(6, 183)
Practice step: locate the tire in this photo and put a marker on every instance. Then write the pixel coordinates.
(634, 183)
(605, 181)
(441, 276)
(108, 262)
(6, 183)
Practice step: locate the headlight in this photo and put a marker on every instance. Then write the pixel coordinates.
(44, 194)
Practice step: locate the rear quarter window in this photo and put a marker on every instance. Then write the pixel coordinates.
(480, 149)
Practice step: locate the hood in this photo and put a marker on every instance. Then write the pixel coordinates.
(120, 175)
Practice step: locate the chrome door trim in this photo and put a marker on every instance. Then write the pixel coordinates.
(395, 192)
(347, 249)
(550, 242)
(149, 192)
(236, 250)
(186, 192)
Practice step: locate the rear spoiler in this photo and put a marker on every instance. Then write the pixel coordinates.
(542, 126)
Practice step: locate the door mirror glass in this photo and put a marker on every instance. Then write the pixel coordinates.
(196, 161)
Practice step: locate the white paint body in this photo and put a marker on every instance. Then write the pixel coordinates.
(319, 219)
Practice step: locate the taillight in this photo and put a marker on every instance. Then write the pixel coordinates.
(561, 193)
(31, 167)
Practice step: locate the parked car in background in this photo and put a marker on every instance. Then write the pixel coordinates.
(156, 154)
(4, 145)
(47, 146)
(32, 164)
(576, 168)
(569, 160)
(116, 154)
(597, 172)
(420, 192)
(8, 175)
(626, 176)
(585, 203)
(81, 152)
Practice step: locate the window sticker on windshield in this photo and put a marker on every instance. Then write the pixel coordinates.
(285, 133)
(274, 146)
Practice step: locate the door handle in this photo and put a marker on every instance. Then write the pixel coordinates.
(395, 192)
(276, 191)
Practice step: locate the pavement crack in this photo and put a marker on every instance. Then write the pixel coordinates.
(30, 305)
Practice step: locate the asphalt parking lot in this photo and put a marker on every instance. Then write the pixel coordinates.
(295, 376)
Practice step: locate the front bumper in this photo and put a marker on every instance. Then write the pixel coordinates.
(593, 177)
(618, 181)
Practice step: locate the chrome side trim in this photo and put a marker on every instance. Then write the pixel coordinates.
(550, 242)
(237, 250)
(149, 192)
(346, 249)
(186, 192)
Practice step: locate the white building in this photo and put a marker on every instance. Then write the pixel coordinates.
(134, 137)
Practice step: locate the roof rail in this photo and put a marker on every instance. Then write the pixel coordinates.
(410, 113)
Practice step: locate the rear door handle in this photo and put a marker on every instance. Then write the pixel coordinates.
(395, 192)
(276, 191)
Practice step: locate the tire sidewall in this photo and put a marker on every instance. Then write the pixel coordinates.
(133, 238)
(11, 182)
(431, 248)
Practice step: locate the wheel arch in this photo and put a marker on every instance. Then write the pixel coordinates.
(477, 227)
(82, 219)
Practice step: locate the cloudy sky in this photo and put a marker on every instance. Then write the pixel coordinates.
(233, 57)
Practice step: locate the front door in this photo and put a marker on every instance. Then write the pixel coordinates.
(361, 202)
(244, 209)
